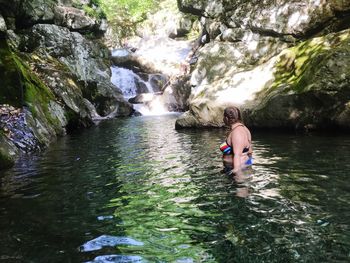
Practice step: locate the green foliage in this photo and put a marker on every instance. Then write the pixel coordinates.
(125, 15)
(92, 9)
(135, 9)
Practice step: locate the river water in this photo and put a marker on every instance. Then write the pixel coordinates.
(137, 190)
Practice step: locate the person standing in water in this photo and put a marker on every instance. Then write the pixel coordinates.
(237, 149)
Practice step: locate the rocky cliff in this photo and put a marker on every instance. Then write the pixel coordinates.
(55, 74)
(284, 63)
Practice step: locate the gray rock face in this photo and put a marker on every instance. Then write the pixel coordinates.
(257, 60)
(85, 59)
(35, 11)
(62, 78)
(74, 19)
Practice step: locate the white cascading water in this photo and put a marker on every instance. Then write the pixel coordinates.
(124, 79)
(165, 54)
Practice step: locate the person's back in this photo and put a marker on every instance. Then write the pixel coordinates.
(237, 150)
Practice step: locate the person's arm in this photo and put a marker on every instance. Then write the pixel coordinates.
(237, 140)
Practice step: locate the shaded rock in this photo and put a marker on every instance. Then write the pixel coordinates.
(11, 91)
(175, 96)
(158, 82)
(35, 11)
(142, 98)
(141, 86)
(13, 40)
(8, 153)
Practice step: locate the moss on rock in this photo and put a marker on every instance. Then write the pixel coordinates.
(11, 91)
(37, 95)
(298, 66)
(311, 86)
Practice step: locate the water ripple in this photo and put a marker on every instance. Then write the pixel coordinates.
(161, 196)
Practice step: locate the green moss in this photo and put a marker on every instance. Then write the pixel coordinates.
(11, 91)
(297, 65)
(20, 86)
(37, 95)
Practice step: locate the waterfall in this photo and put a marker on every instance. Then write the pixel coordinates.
(138, 91)
(147, 91)
(126, 80)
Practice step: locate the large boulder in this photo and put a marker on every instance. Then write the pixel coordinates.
(75, 19)
(311, 87)
(31, 12)
(249, 41)
(86, 60)
(306, 86)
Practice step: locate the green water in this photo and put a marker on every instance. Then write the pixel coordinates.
(136, 190)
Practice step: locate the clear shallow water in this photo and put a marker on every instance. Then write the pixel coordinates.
(136, 190)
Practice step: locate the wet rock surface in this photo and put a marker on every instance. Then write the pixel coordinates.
(15, 128)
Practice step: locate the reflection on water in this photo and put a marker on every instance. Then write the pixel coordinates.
(136, 190)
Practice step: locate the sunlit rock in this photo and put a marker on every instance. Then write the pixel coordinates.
(313, 92)
(163, 55)
(220, 60)
(297, 17)
(241, 65)
(3, 26)
(74, 19)
(303, 87)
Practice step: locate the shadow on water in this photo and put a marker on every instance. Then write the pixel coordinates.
(137, 190)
